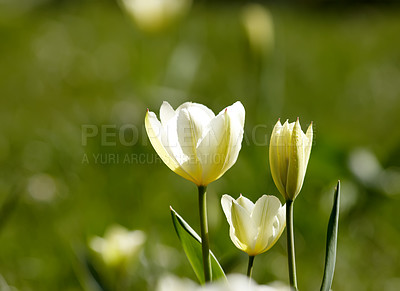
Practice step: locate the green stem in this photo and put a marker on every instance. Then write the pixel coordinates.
(290, 244)
(204, 233)
(250, 266)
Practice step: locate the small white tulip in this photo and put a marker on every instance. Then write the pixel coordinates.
(254, 228)
(289, 153)
(194, 143)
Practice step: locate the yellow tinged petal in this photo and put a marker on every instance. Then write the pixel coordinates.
(277, 158)
(226, 202)
(308, 145)
(155, 132)
(245, 230)
(265, 211)
(280, 223)
(217, 146)
(187, 140)
(236, 115)
(213, 148)
(245, 203)
(296, 160)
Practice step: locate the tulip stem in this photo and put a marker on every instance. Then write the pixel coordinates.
(250, 266)
(204, 233)
(290, 244)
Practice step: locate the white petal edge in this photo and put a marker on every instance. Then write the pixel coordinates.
(226, 203)
(166, 113)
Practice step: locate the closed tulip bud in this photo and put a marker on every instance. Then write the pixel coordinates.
(194, 143)
(259, 28)
(254, 228)
(289, 153)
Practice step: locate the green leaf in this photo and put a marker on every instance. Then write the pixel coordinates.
(191, 243)
(331, 242)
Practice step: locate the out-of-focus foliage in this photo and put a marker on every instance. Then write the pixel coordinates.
(76, 79)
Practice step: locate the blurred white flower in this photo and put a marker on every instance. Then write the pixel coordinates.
(289, 152)
(42, 187)
(4, 286)
(155, 15)
(254, 228)
(235, 282)
(193, 142)
(119, 247)
(173, 283)
(240, 282)
(365, 165)
(259, 28)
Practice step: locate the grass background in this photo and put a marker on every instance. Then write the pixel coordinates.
(64, 65)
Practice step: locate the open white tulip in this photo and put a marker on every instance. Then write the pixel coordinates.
(289, 153)
(195, 143)
(254, 228)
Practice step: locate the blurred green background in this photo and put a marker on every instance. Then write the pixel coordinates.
(66, 66)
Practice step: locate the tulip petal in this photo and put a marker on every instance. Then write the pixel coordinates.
(286, 140)
(245, 203)
(265, 209)
(308, 145)
(200, 114)
(241, 246)
(245, 229)
(296, 168)
(236, 114)
(157, 138)
(187, 135)
(166, 113)
(214, 147)
(264, 213)
(277, 158)
(277, 228)
(220, 146)
(226, 202)
(236, 111)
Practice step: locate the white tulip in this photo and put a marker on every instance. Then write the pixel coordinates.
(289, 153)
(119, 247)
(195, 143)
(254, 228)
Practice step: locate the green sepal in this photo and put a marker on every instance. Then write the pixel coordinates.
(191, 243)
(331, 242)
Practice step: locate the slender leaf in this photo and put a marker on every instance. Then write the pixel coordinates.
(191, 243)
(331, 242)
